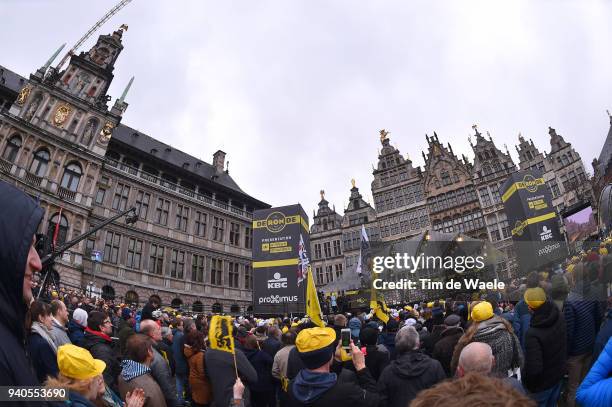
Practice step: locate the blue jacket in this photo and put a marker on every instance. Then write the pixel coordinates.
(583, 318)
(180, 362)
(19, 219)
(604, 334)
(43, 357)
(77, 400)
(596, 388)
(76, 333)
(521, 321)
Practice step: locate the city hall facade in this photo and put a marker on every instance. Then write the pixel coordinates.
(63, 145)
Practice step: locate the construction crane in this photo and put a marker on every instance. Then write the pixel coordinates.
(92, 30)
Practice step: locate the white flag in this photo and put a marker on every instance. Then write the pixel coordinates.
(363, 251)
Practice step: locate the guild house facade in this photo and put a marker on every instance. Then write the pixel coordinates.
(450, 195)
(60, 142)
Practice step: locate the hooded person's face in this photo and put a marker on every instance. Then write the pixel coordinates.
(33, 265)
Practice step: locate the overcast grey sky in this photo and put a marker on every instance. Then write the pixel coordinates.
(295, 91)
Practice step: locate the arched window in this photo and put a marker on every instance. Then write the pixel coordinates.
(131, 298)
(62, 229)
(197, 307)
(108, 292)
(90, 130)
(176, 303)
(71, 177)
(12, 148)
(486, 169)
(217, 308)
(235, 308)
(40, 163)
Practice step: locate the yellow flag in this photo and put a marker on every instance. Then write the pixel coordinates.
(313, 308)
(220, 333)
(376, 300)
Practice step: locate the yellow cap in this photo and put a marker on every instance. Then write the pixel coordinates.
(603, 251)
(314, 338)
(285, 329)
(482, 311)
(294, 324)
(430, 304)
(408, 308)
(77, 363)
(534, 297)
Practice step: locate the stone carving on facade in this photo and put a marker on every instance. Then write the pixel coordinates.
(61, 114)
(106, 133)
(23, 95)
(33, 107)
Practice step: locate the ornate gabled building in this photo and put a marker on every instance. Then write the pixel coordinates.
(563, 171)
(490, 170)
(602, 166)
(398, 194)
(357, 213)
(327, 258)
(59, 141)
(451, 196)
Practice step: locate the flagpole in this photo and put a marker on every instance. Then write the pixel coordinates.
(235, 364)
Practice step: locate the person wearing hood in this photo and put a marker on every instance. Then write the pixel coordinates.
(147, 311)
(59, 320)
(41, 347)
(444, 347)
(194, 352)
(98, 342)
(545, 349)
(583, 316)
(520, 322)
(77, 325)
(318, 384)
(136, 371)
(262, 391)
(19, 220)
(221, 373)
(497, 333)
(126, 329)
(410, 373)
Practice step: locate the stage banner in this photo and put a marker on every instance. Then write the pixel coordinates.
(281, 253)
(533, 220)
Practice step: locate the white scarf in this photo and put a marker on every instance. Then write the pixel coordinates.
(40, 329)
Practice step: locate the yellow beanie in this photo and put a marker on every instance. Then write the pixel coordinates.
(482, 311)
(285, 329)
(535, 297)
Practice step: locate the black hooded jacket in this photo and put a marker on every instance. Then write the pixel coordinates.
(545, 348)
(410, 373)
(19, 220)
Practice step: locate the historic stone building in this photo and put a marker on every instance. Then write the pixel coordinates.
(489, 173)
(327, 259)
(451, 197)
(61, 143)
(398, 194)
(563, 170)
(602, 166)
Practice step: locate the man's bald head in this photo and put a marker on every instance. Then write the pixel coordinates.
(476, 357)
(151, 329)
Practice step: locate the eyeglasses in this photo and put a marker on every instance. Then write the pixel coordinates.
(106, 322)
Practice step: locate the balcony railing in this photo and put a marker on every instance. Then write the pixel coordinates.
(175, 188)
(66, 193)
(5, 166)
(33, 179)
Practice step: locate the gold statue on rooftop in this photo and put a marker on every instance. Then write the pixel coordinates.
(383, 134)
(353, 182)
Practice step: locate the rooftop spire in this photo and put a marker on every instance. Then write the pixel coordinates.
(43, 69)
(126, 90)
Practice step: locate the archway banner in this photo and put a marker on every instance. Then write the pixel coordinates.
(281, 243)
(533, 220)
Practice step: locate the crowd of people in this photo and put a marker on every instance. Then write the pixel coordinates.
(551, 347)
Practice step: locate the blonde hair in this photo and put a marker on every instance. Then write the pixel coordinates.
(80, 386)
